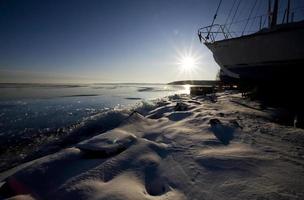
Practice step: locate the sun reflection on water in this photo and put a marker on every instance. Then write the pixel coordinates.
(187, 88)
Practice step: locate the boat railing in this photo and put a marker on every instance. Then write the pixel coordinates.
(214, 32)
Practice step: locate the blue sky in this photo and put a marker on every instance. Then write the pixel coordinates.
(103, 40)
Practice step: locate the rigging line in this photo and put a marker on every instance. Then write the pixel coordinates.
(301, 6)
(214, 17)
(266, 19)
(295, 4)
(237, 8)
(244, 9)
(230, 11)
(281, 11)
(249, 16)
(217, 9)
(256, 13)
(243, 20)
(264, 23)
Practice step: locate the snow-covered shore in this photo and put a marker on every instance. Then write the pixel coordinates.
(220, 147)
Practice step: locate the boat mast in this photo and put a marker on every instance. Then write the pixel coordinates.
(269, 13)
(287, 11)
(274, 14)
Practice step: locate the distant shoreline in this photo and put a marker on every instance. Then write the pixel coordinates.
(73, 84)
(194, 82)
(70, 85)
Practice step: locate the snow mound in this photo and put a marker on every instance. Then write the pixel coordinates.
(160, 112)
(231, 157)
(179, 115)
(222, 132)
(125, 186)
(107, 144)
(22, 197)
(209, 150)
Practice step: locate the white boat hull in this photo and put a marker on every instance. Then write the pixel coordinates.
(264, 55)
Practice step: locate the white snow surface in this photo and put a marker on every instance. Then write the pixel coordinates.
(228, 148)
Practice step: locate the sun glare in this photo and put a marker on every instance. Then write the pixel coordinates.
(187, 64)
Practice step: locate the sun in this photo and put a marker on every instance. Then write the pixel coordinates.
(187, 63)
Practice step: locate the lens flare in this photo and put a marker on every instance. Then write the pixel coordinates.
(188, 63)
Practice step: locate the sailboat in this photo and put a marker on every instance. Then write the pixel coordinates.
(271, 54)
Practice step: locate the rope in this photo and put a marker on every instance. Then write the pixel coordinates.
(243, 20)
(300, 5)
(230, 11)
(249, 16)
(218, 7)
(214, 17)
(256, 13)
(237, 8)
(264, 23)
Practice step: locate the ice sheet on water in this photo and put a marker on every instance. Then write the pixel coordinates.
(31, 143)
(42, 118)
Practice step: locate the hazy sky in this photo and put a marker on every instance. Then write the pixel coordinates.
(103, 40)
